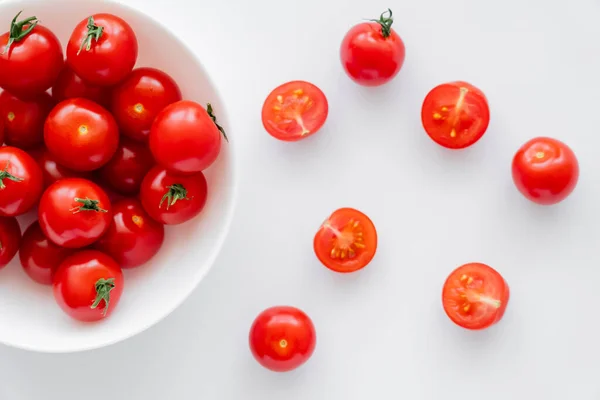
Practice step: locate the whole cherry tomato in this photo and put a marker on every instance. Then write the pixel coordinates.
(128, 167)
(69, 85)
(88, 285)
(102, 49)
(10, 239)
(81, 135)
(74, 212)
(372, 53)
(52, 171)
(24, 119)
(139, 98)
(1, 131)
(21, 182)
(31, 58)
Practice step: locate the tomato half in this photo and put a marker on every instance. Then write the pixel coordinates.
(88, 285)
(294, 110)
(24, 119)
(10, 239)
(81, 135)
(69, 85)
(475, 296)
(545, 170)
(52, 171)
(346, 241)
(282, 338)
(455, 115)
(21, 182)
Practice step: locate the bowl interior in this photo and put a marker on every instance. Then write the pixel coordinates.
(29, 316)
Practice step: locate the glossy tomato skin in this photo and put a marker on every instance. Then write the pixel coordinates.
(39, 256)
(72, 223)
(75, 280)
(545, 170)
(282, 338)
(139, 98)
(1, 131)
(10, 239)
(157, 186)
(24, 119)
(22, 180)
(32, 64)
(81, 135)
(133, 237)
(111, 58)
(70, 86)
(184, 139)
(52, 171)
(128, 167)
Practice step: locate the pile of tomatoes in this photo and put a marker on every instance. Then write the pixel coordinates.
(107, 155)
(454, 115)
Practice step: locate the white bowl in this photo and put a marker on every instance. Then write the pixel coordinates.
(29, 317)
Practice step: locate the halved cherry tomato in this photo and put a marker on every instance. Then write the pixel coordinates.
(24, 119)
(545, 170)
(125, 172)
(10, 239)
(294, 111)
(52, 171)
(21, 182)
(346, 241)
(455, 115)
(475, 296)
(69, 86)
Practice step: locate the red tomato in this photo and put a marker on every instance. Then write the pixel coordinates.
(1, 131)
(31, 58)
(21, 182)
(52, 171)
(282, 338)
(346, 241)
(10, 239)
(545, 170)
(133, 238)
(173, 199)
(39, 256)
(74, 212)
(128, 167)
(138, 99)
(455, 115)
(69, 86)
(102, 49)
(24, 119)
(88, 285)
(372, 53)
(184, 138)
(475, 296)
(82, 135)
(294, 111)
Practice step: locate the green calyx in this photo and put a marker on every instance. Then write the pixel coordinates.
(103, 288)
(175, 193)
(87, 205)
(211, 114)
(4, 174)
(16, 32)
(385, 22)
(94, 33)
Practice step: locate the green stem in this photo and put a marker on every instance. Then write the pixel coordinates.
(175, 193)
(103, 288)
(385, 22)
(94, 32)
(4, 174)
(16, 32)
(87, 205)
(211, 114)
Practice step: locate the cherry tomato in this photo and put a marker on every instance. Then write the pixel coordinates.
(1, 131)
(455, 115)
(21, 182)
(475, 296)
(88, 285)
(133, 238)
(102, 49)
(282, 338)
(69, 86)
(31, 58)
(52, 171)
(184, 138)
(545, 170)
(173, 199)
(39, 256)
(24, 119)
(128, 167)
(346, 241)
(372, 53)
(81, 134)
(10, 239)
(138, 99)
(74, 212)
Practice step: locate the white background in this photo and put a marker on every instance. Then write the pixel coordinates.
(382, 333)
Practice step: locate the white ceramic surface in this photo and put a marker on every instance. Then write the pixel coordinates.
(29, 317)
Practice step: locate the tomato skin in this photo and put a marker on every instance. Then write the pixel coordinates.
(39, 256)
(157, 183)
(184, 138)
(10, 239)
(282, 338)
(52, 171)
(81, 135)
(24, 119)
(65, 222)
(17, 198)
(1, 131)
(32, 64)
(74, 285)
(69, 85)
(139, 98)
(545, 170)
(111, 58)
(128, 167)
(133, 237)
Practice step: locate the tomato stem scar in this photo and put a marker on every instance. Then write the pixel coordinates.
(103, 288)
(94, 32)
(16, 30)
(4, 174)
